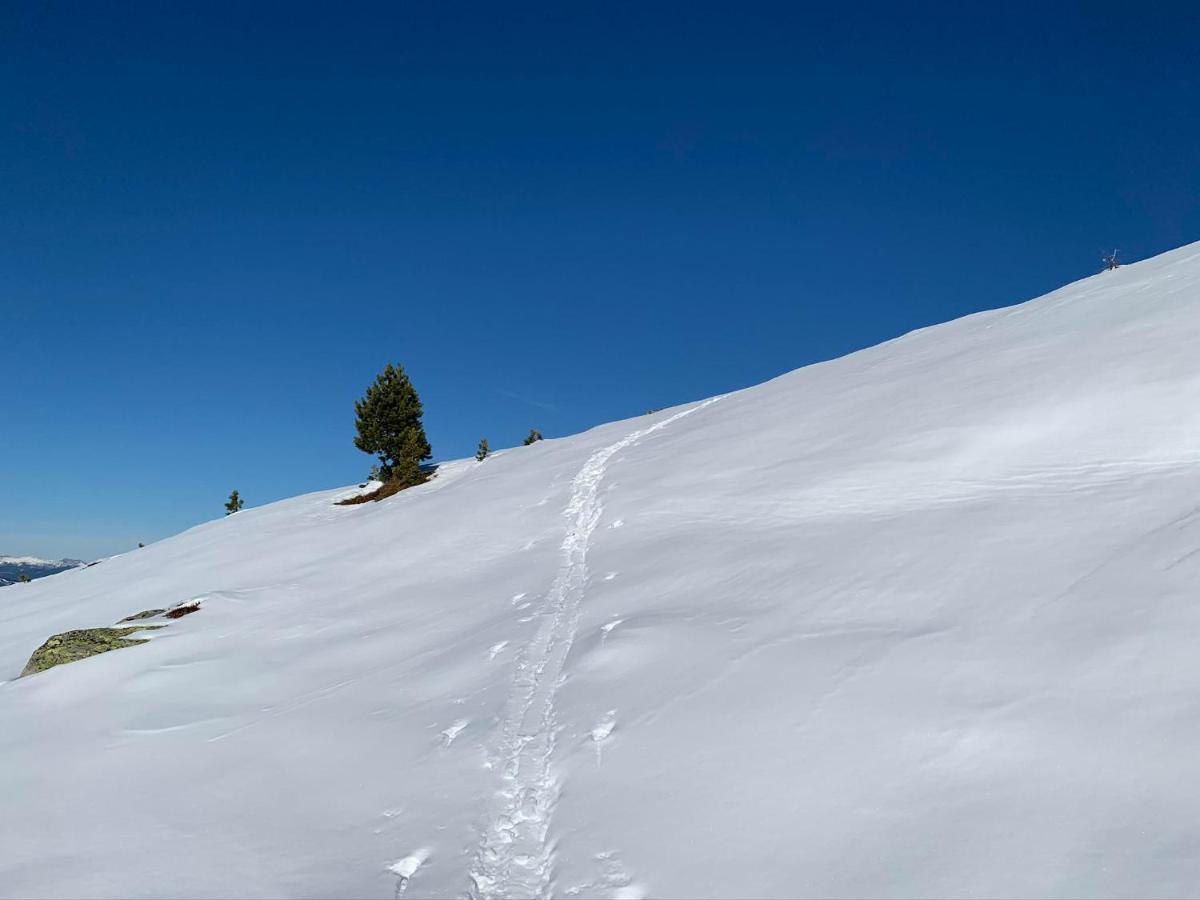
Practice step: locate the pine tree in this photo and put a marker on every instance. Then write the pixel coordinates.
(23, 578)
(389, 425)
(482, 453)
(234, 503)
(534, 437)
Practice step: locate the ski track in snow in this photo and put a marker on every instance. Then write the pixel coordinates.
(515, 856)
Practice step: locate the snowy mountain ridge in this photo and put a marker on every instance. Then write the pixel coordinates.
(916, 621)
(26, 561)
(13, 567)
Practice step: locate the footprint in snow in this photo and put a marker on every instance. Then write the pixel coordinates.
(449, 734)
(601, 733)
(617, 524)
(517, 598)
(405, 869)
(496, 649)
(610, 576)
(605, 727)
(607, 628)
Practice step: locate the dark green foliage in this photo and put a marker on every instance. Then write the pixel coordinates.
(389, 425)
(233, 504)
(482, 453)
(534, 437)
(24, 579)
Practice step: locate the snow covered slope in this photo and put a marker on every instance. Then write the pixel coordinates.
(918, 621)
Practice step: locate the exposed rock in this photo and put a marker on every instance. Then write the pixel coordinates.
(71, 646)
(144, 614)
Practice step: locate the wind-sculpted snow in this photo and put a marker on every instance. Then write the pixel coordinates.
(920, 621)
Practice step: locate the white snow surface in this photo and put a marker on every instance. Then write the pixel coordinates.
(920, 621)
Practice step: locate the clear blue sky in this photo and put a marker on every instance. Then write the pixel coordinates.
(219, 221)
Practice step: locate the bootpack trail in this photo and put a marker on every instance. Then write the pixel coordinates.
(515, 855)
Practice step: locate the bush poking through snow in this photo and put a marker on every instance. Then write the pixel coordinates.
(233, 504)
(533, 437)
(385, 490)
(482, 453)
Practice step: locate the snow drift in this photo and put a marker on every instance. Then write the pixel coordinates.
(918, 621)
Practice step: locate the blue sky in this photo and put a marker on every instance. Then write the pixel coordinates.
(218, 222)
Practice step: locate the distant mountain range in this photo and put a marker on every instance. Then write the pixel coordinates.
(13, 567)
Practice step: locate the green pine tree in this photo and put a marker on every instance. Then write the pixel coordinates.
(389, 425)
(482, 453)
(23, 578)
(232, 505)
(534, 436)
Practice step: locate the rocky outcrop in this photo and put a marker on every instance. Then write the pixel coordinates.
(71, 646)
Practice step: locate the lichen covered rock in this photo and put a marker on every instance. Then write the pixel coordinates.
(144, 614)
(71, 646)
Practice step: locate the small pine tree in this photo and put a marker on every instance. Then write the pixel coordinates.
(534, 437)
(389, 425)
(233, 504)
(23, 578)
(482, 453)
